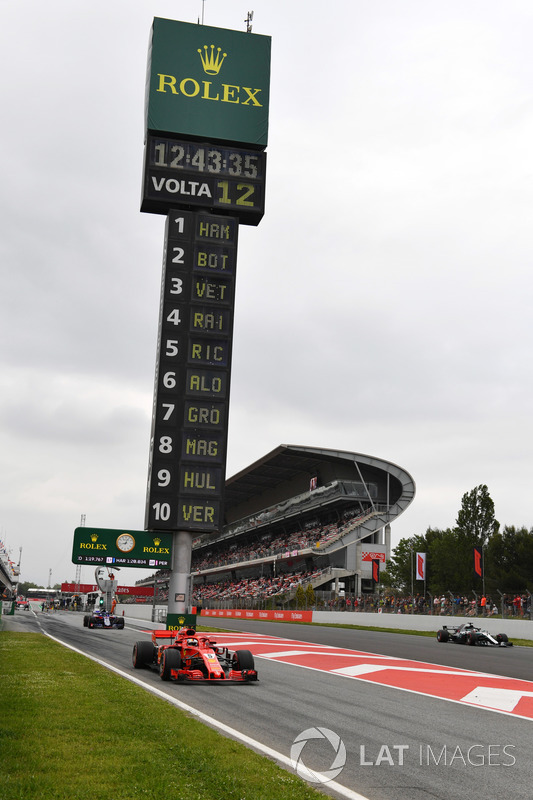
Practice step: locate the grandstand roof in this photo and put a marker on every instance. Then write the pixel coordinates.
(287, 462)
(279, 466)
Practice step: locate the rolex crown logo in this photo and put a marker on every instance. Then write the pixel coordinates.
(94, 537)
(212, 61)
(157, 541)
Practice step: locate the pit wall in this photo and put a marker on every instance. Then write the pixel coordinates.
(137, 610)
(514, 628)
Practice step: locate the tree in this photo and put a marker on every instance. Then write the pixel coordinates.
(22, 588)
(476, 519)
(386, 580)
(309, 595)
(400, 567)
(300, 596)
(474, 526)
(509, 560)
(449, 563)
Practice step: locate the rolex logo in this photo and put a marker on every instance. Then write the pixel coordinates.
(94, 537)
(157, 541)
(211, 61)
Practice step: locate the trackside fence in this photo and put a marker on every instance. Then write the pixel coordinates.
(503, 605)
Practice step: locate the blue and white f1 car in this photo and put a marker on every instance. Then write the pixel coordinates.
(102, 619)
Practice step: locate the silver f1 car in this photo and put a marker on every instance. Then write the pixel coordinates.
(469, 634)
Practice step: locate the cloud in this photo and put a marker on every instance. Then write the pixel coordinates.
(382, 305)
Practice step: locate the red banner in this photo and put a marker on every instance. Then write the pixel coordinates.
(240, 613)
(85, 588)
(478, 562)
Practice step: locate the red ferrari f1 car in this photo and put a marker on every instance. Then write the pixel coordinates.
(192, 656)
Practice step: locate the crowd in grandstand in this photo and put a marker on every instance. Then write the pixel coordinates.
(270, 544)
(257, 588)
(9, 568)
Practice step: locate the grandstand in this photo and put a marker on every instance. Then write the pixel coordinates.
(9, 573)
(300, 515)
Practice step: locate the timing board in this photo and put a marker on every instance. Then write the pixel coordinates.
(186, 474)
(183, 174)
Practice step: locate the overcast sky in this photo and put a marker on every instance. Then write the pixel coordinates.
(383, 304)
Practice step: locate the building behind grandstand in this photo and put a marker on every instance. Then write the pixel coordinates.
(299, 515)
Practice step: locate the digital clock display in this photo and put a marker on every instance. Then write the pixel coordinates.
(206, 158)
(187, 175)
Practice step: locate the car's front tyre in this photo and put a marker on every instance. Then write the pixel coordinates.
(242, 659)
(503, 639)
(170, 660)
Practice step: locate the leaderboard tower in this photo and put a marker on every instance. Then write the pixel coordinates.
(205, 169)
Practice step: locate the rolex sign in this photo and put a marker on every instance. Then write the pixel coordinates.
(208, 83)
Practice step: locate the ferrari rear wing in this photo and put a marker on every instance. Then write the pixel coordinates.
(162, 635)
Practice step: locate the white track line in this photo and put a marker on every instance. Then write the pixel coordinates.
(235, 734)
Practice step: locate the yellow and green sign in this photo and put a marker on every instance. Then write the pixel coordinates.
(119, 547)
(208, 83)
(177, 621)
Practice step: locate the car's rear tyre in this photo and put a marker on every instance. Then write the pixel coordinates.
(143, 654)
(242, 659)
(442, 636)
(90, 622)
(170, 660)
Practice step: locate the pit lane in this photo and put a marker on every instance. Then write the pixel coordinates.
(377, 724)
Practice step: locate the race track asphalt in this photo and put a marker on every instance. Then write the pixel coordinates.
(399, 745)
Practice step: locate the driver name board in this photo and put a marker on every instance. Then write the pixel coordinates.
(186, 474)
(122, 548)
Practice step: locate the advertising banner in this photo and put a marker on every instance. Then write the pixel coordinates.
(85, 588)
(208, 83)
(421, 566)
(239, 613)
(122, 548)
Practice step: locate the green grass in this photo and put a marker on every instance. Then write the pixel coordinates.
(72, 730)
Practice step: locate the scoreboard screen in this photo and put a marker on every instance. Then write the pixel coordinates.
(187, 175)
(190, 418)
